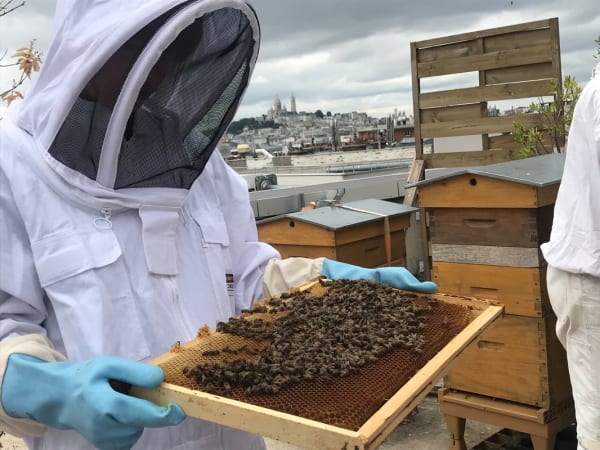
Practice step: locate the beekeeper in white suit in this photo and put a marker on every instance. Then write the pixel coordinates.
(573, 255)
(121, 231)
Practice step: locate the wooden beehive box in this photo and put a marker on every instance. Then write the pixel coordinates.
(485, 226)
(353, 232)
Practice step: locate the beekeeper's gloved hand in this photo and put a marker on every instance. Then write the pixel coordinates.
(398, 277)
(78, 396)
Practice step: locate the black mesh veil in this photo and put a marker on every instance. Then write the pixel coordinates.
(176, 124)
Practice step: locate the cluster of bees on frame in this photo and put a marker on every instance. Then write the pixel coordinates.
(331, 335)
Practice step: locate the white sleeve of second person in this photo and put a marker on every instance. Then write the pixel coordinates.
(34, 345)
(283, 274)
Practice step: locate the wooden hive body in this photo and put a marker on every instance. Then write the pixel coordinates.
(485, 226)
(355, 236)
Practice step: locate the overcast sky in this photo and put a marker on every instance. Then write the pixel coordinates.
(354, 55)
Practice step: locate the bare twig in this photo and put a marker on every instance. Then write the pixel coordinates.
(6, 8)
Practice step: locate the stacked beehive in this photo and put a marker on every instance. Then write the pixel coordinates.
(485, 226)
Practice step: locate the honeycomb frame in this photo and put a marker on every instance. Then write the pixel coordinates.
(317, 431)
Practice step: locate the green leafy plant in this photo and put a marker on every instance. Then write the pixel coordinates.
(556, 116)
(557, 119)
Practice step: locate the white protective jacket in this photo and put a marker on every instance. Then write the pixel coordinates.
(121, 232)
(574, 244)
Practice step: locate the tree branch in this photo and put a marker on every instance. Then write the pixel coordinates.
(5, 7)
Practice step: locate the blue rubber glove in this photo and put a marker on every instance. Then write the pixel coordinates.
(78, 396)
(398, 277)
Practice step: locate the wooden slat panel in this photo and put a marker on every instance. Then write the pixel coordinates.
(532, 52)
(448, 51)
(556, 64)
(487, 61)
(451, 114)
(474, 158)
(540, 71)
(519, 39)
(487, 255)
(508, 146)
(504, 91)
(520, 289)
(472, 126)
(484, 33)
(506, 140)
(416, 89)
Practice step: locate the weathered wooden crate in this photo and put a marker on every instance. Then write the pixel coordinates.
(314, 434)
(354, 232)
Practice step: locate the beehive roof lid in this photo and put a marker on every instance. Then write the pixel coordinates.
(538, 171)
(338, 217)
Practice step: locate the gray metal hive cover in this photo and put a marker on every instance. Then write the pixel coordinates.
(335, 218)
(538, 171)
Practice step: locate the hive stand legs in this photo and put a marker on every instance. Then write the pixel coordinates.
(543, 443)
(458, 406)
(456, 428)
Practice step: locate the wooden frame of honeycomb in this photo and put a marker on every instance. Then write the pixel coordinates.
(309, 433)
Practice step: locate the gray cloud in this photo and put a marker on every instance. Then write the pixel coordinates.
(344, 55)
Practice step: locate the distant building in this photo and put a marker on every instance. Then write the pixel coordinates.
(293, 104)
(372, 135)
(277, 105)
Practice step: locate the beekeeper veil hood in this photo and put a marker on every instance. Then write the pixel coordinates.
(138, 93)
(133, 98)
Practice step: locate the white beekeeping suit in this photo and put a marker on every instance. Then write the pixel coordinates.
(119, 226)
(121, 231)
(573, 256)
